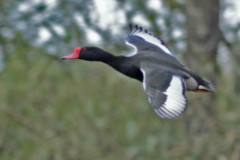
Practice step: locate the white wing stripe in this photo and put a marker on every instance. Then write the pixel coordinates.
(154, 41)
(144, 79)
(173, 103)
(159, 112)
(135, 49)
(138, 31)
(169, 114)
(175, 98)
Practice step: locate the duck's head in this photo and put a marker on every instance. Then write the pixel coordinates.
(85, 53)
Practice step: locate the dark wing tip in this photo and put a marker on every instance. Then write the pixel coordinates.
(130, 28)
(136, 28)
(133, 29)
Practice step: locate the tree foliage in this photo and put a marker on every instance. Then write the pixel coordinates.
(51, 109)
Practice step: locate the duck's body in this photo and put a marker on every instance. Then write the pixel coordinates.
(131, 67)
(164, 78)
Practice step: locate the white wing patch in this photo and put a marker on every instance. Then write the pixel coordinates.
(165, 94)
(135, 49)
(144, 81)
(153, 40)
(148, 37)
(175, 103)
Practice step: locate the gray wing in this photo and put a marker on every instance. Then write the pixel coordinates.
(141, 39)
(166, 92)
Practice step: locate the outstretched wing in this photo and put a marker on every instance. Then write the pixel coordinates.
(166, 92)
(140, 39)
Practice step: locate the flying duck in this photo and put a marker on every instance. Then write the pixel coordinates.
(165, 80)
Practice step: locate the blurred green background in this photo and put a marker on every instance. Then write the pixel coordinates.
(76, 110)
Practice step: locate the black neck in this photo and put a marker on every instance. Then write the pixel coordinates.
(97, 54)
(119, 63)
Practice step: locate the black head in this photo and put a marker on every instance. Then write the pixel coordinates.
(80, 53)
(88, 53)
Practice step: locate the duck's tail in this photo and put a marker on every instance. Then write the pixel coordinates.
(203, 84)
